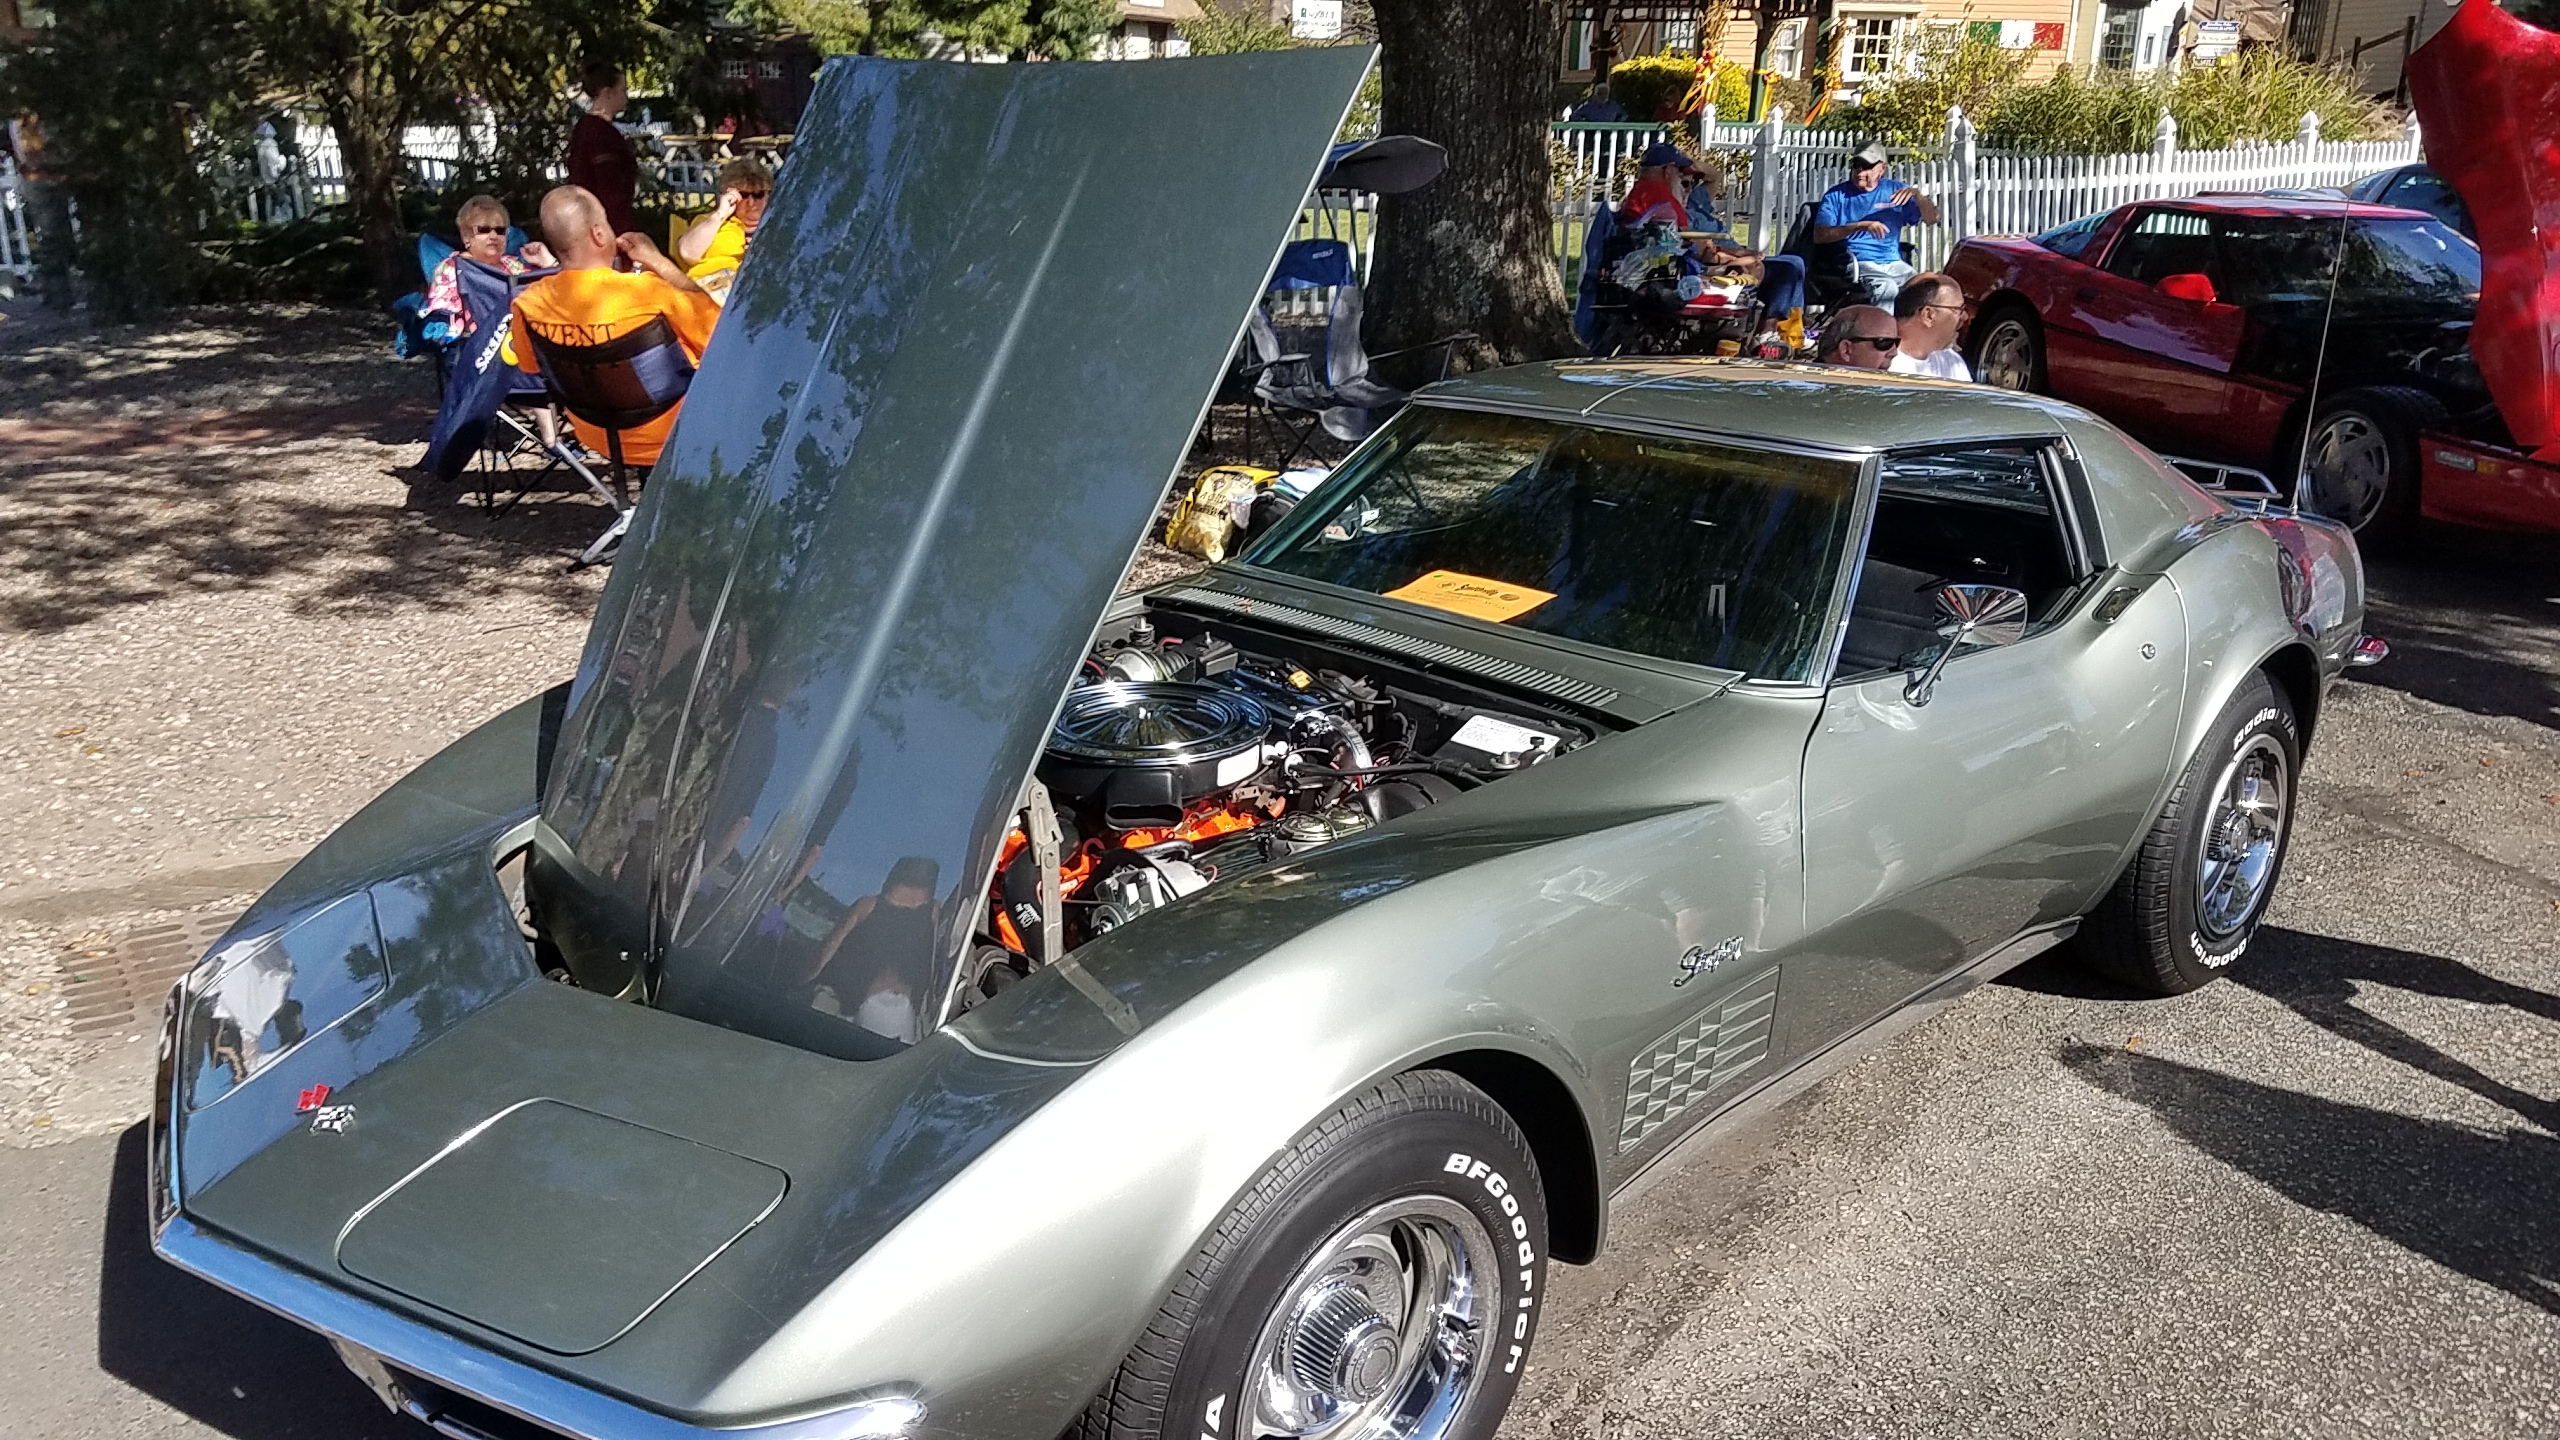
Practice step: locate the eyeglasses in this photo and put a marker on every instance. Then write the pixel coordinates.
(758, 196)
(1942, 305)
(1883, 343)
(477, 230)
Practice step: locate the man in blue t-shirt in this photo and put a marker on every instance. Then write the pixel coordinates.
(1870, 217)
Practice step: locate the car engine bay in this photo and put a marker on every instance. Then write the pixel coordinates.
(1183, 756)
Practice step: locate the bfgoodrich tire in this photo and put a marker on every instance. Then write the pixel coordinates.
(2187, 907)
(1382, 1278)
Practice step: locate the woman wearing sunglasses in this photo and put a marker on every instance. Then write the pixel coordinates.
(718, 241)
(483, 223)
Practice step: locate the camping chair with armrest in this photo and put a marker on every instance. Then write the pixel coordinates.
(622, 384)
(1282, 387)
(1357, 403)
(490, 412)
(1830, 281)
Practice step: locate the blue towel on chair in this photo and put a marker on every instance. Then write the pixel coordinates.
(482, 376)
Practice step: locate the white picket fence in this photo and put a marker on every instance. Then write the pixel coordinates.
(1782, 168)
(1777, 169)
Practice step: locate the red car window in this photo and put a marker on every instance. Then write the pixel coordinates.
(2161, 243)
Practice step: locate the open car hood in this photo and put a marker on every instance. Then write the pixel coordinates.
(2487, 90)
(983, 318)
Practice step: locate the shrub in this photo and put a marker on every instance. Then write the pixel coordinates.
(2260, 95)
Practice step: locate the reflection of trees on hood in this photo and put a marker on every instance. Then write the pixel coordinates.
(884, 506)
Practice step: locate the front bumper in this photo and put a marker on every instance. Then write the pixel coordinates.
(461, 1381)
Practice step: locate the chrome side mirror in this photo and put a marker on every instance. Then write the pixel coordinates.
(1975, 615)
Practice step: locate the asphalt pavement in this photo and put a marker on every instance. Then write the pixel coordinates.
(2322, 1200)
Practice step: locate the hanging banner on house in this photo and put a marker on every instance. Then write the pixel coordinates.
(1316, 19)
(2017, 34)
(2215, 39)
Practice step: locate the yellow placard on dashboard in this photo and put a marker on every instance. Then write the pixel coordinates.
(1472, 595)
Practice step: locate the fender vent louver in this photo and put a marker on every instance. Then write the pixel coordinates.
(1388, 642)
(1670, 1077)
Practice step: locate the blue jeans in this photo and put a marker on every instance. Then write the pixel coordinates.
(1881, 279)
(1782, 285)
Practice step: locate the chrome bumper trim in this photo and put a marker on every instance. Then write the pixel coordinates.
(2368, 650)
(533, 1396)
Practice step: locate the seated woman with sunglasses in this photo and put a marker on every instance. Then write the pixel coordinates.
(484, 224)
(718, 241)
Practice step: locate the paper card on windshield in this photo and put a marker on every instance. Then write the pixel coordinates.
(1472, 595)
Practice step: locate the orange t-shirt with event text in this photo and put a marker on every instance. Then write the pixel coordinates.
(590, 307)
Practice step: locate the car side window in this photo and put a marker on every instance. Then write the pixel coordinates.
(1980, 515)
(2426, 190)
(2161, 243)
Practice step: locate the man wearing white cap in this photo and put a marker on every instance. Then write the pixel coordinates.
(1864, 212)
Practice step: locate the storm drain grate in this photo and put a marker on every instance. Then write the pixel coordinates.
(118, 984)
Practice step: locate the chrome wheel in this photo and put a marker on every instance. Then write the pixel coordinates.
(1375, 1338)
(2347, 475)
(2008, 356)
(2243, 837)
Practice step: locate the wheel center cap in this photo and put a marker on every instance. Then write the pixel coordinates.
(1368, 1362)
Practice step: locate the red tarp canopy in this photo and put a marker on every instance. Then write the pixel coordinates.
(2487, 88)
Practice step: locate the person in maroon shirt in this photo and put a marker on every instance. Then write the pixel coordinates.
(600, 160)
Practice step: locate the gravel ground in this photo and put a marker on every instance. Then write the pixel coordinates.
(229, 621)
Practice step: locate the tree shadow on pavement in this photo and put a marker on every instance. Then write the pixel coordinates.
(2318, 979)
(84, 540)
(2472, 624)
(217, 1358)
(2477, 1202)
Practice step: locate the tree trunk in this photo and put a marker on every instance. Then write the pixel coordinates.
(367, 123)
(1475, 249)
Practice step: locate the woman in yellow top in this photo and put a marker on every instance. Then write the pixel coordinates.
(718, 241)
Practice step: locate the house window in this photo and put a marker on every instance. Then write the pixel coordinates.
(2150, 50)
(1681, 34)
(1577, 45)
(2115, 40)
(733, 69)
(1134, 44)
(1872, 43)
(1786, 49)
(768, 69)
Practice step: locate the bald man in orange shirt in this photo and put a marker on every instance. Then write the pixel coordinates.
(589, 302)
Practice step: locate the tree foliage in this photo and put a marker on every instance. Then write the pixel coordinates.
(130, 94)
(2259, 95)
(1018, 29)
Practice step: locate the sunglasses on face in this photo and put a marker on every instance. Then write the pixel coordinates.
(1883, 343)
(477, 231)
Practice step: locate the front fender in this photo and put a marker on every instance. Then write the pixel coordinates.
(1023, 1282)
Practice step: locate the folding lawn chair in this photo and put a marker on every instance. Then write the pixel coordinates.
(622, 384)
(486, 416)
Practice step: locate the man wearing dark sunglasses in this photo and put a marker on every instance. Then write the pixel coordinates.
(1862, 337)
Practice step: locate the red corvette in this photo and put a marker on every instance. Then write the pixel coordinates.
(2197, 325)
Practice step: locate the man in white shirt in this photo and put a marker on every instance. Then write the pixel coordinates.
(1929, 311)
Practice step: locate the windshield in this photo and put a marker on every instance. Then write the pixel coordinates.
(1711, 554)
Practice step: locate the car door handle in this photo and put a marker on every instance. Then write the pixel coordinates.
(2084, 293)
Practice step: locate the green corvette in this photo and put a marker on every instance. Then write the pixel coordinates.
(903, 987)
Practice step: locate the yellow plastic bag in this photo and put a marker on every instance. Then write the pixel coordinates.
(1206, 518)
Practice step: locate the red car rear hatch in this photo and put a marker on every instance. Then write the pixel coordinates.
(2487, 87)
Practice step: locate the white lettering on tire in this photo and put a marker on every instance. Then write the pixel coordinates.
(1503, 1196)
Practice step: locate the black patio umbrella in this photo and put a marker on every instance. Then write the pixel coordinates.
(1388, 165)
